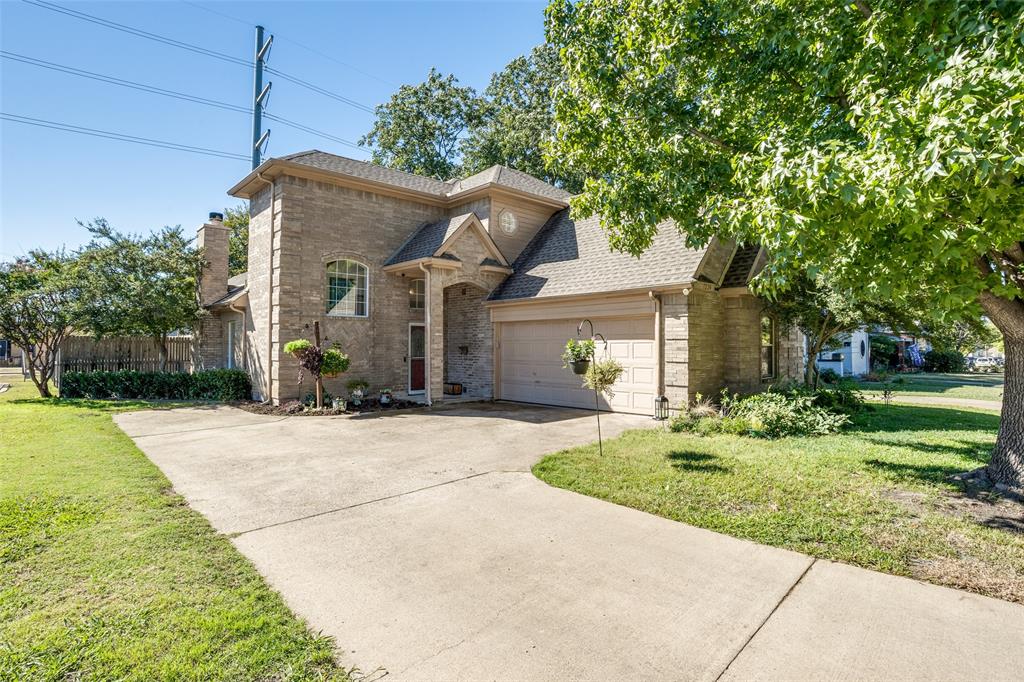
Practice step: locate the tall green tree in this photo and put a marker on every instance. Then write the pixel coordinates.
(237, 221)
(881, 141)
(824, 312)
(139, 285)
(518, 118)
(420, 128)
(39, 304)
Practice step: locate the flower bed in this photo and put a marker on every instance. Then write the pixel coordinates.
(299, 409)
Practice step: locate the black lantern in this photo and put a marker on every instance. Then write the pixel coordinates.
(661, 408)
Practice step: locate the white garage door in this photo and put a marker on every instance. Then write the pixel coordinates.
(531, 366)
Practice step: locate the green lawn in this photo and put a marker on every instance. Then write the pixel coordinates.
(105, 573)
(972, 386)
(877, 496)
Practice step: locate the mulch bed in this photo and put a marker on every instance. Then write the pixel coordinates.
(295, 408)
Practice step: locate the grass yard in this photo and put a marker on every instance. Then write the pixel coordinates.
(971, 386)
(105, 573)
(877, 496)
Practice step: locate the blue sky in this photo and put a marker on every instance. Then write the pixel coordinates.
(49, 178)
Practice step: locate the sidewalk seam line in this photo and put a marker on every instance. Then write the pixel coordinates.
(361, 504)
(767, 618)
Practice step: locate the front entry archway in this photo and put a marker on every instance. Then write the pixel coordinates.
(468, 341)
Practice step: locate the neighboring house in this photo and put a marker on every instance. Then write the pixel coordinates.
(477, 282)
(852, 357)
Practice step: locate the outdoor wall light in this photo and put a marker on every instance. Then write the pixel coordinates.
(661, 408)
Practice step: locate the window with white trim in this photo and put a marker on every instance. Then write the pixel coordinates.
(767, 348)
(347, 289)
(417, 294)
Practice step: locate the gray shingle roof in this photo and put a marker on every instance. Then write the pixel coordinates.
(425, 241)
(498, 175)
(739, 269)
(572, 257)
(513, 179)
(368, 171)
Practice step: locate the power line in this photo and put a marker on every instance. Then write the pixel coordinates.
(143, 87)
(70, 70)
(296, 43)
(137, 32)
(195, 48)
(319, 90)
(67, 127)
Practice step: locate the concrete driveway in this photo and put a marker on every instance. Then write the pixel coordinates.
(421, 542)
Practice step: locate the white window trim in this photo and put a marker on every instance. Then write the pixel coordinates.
(774, 348)
(325, 286)
(423, 296)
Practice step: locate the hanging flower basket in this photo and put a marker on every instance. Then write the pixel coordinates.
(298, 348)
(580, 366)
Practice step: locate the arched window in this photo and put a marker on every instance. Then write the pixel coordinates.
(417, 294)
(767, 348)
(347, 289)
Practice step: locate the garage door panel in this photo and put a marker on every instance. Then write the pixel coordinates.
(531, 366)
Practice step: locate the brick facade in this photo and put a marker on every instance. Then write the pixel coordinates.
(709, 338)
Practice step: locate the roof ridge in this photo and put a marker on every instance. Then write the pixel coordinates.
(367, 163)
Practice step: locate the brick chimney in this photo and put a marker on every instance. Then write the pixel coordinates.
(213, 239)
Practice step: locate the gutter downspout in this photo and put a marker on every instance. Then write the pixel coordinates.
(659, 332)
(268, 396)
(426, 333)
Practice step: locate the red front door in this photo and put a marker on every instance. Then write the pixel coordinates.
(417, 346)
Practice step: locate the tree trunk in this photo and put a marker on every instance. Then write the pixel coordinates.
(319, 375)
(37, 365)
(161, 343)
(1007, 465)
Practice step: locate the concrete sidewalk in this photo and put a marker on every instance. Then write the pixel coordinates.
(422, 543)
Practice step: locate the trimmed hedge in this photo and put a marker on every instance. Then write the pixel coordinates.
(209, 384)
(944, 361)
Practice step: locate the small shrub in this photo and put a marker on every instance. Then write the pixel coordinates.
(777, 415)
(944, 361)
(829, 376)
(211, 384)
(354, 385)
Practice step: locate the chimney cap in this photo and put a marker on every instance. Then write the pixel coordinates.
(216, 216)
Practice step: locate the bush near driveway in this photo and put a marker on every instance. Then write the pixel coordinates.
(212, 384)
(877, 495)
(106, 573)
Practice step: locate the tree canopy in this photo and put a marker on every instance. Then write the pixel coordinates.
(880, 141)
(237, 221)
(440, 129)
(39, 304)
(139, 285)
(420, 128)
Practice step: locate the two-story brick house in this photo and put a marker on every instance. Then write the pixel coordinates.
(477, 282)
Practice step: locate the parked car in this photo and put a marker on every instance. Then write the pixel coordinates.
(983, 364)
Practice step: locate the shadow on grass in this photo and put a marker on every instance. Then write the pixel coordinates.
(896, 418)
(696, 461)
(112, 405)
(979, 452)
(902, 472)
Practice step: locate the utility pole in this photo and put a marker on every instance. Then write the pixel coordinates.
(259, 96)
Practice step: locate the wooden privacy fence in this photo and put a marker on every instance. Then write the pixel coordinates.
(140, 353)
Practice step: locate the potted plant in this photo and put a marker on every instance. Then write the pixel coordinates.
(339, 404)
(578, 354)
(317, 361)
(385, 396)
(600, 376)
(357, 390)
